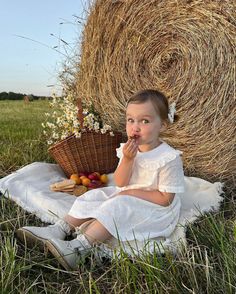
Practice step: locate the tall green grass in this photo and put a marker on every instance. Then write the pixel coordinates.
(206, 265)
(21, 140)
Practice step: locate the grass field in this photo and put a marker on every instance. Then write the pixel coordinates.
(21, 134)
(207, 265)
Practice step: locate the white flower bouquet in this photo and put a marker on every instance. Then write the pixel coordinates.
(66, 121)
(79, 141)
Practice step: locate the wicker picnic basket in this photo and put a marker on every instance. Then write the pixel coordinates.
(89, 153)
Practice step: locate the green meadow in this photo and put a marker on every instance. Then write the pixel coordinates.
(206, 265)
(21, 140)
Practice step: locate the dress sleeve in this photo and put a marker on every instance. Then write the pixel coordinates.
(119, 152)
(171, 177)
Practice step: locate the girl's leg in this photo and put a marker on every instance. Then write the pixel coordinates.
(96, 233)
(75, 222)
(66, 252)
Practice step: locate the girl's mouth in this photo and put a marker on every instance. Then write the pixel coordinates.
(134, 137)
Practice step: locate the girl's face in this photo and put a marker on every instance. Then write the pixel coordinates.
(143, 122)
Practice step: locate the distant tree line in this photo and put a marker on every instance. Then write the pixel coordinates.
(20, 96)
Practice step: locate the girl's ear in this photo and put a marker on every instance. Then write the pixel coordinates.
(163, 126)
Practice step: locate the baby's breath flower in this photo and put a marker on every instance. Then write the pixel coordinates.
(96, 126)
(77, 134)
(55, 135)
(85, 111)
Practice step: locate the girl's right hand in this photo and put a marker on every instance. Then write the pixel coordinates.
(130, 149)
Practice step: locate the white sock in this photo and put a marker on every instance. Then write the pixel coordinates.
(64, 226)
(84, 241)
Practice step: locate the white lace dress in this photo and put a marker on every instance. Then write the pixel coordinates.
(130, 218)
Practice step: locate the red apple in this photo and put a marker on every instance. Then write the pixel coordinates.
(97, 182)
(93, 176)
(98, 175)
(94, 184)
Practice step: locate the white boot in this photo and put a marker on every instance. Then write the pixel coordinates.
(39, 235)
(69, 253)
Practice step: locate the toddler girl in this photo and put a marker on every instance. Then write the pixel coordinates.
(144, 202)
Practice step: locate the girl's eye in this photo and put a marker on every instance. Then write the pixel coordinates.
(130, 120)
(145, 121)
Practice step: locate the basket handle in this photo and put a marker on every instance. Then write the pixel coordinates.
(80, 112)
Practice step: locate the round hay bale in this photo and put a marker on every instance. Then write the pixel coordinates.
(184, 48)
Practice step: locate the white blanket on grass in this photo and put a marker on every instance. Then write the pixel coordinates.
(29, 188)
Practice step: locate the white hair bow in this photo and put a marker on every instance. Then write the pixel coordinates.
(172, 111)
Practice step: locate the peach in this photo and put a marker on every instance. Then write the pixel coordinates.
(86, 182)
(76, 178)
(104, 179)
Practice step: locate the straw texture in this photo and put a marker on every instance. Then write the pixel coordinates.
(184, 48)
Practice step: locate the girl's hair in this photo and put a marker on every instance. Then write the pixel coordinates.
(158, 100)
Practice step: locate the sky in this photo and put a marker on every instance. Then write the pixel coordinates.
(29, 31)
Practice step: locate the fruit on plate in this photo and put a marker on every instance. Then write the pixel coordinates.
(98, 174)
(86, 182)
(94, 176)
(94, 184)
(76, 178)
(104, 179)
(90, 180)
